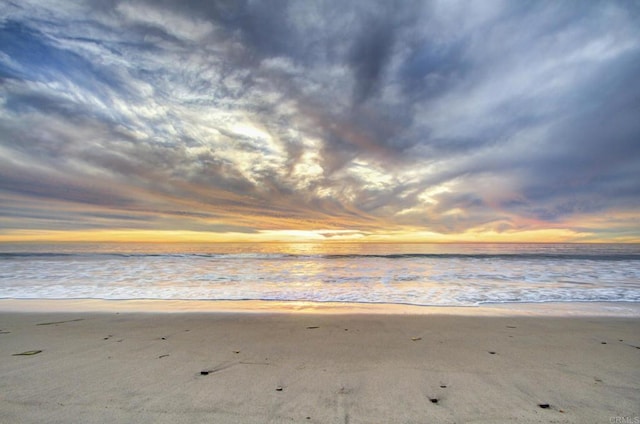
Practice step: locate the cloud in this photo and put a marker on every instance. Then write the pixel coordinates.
(346, 118)
(369, 57)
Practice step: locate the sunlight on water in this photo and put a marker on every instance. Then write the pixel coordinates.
(420, 274)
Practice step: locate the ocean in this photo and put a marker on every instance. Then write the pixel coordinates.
(417, 274)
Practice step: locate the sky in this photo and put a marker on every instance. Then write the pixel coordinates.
(320, 120)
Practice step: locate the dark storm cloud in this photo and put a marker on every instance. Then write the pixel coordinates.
(369, 56)
(445, 116)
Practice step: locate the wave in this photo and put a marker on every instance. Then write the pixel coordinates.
(501, 256)
(283, 256)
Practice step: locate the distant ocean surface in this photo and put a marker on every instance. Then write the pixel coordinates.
(418, 274)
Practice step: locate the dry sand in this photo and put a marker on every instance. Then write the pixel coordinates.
(227, 367)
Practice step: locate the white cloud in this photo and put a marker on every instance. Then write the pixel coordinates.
(170, 21)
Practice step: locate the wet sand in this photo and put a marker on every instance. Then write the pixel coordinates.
(265, 367)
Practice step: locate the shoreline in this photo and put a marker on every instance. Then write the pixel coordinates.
(557, 309)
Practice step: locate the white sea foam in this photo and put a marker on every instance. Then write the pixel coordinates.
(409, 274)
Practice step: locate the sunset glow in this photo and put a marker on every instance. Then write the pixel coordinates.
(319, 121)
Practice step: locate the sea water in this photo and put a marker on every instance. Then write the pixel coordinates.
(419, 274)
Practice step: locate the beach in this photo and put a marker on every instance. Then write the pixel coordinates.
(316, 365)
